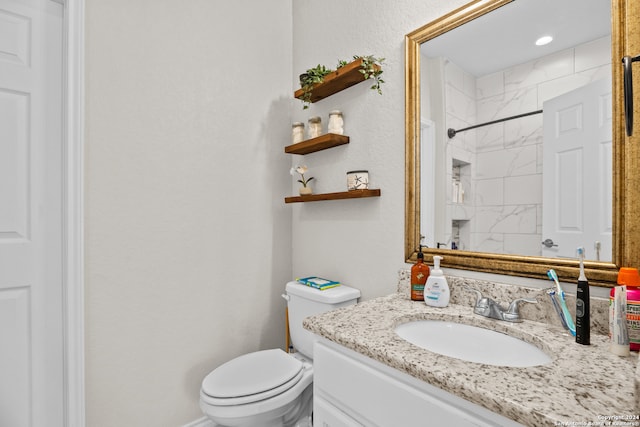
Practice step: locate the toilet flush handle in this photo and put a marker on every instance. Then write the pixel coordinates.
(285, 296)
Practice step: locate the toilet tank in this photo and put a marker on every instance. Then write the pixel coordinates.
(305, 301)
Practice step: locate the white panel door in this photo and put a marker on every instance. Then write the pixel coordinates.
(577, 172)
(31, 351)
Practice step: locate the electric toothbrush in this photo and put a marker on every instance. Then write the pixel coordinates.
(583, 320)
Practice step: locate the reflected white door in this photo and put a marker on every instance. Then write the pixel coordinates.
(577, 173)
(31, 334)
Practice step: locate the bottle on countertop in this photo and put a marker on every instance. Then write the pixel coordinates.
(631, 279)
(436, 291)
(419, 275)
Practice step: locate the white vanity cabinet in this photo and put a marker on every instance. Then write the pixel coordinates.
(353, 390)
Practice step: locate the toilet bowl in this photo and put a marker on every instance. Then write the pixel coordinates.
(265, 388)
(271, 388)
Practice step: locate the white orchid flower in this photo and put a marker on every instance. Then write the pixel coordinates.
(301, 170)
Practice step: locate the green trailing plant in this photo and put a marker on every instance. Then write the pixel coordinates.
(310, 78)
(371, 69)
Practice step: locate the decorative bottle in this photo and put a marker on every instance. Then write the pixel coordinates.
(419, 275)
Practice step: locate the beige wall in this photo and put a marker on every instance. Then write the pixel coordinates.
(188, 244)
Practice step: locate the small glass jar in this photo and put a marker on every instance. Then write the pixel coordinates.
(336, 122)
(297, 132)
(315, 127)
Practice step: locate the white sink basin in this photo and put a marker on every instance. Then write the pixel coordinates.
(471, 343)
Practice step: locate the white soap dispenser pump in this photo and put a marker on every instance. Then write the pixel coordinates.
(436, 290)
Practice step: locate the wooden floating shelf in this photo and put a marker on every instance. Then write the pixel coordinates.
(321, 142)
(353, 194)
(334, 82)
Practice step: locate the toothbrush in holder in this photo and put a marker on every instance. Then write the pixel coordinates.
(563, 303)
(552, 296)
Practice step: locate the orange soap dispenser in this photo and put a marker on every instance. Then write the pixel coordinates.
(419, 276)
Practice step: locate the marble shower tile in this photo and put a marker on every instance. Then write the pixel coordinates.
(523, 244)
(523, 131)
(509, 162)
(507, 104)
(523, 190)
(489, 192)
(529, 74)
(490, 138)
(490, 85)
(488, 242)
(593, 54)
(460, 105)
(506, 219)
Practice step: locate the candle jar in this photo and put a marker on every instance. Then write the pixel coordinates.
(357, 180)
(297, 132)
(315, 127)
(336, 122)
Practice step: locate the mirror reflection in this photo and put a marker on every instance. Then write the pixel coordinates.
(516, 138)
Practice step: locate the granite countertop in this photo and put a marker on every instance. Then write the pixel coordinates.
(582, 384)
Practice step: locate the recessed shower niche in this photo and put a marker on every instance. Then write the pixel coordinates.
(459, 204)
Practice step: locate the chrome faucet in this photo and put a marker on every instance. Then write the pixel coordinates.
(489, 308)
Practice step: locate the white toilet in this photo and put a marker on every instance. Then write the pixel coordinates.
(271, 388)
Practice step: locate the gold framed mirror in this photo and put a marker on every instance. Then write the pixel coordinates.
(625, 177)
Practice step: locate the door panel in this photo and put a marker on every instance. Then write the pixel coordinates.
(31, 337)
(14, 192)
(15, 391)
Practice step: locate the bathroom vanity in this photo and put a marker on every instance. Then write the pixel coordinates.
(366, 374)
(352, 390)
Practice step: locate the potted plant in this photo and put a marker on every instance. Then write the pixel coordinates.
(310, 78)
(304, 190)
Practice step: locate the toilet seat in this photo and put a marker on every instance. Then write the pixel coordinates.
(252, 377)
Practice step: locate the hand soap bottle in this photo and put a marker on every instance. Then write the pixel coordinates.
(419, 274)
(436, 291)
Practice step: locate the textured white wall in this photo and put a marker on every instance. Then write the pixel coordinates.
(188, 240)
(360, 242)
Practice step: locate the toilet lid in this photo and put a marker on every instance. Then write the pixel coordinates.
(253, 373)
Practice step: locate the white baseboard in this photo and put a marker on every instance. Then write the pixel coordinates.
(201, 422)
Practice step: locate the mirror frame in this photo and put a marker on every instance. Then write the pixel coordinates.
(626, 162)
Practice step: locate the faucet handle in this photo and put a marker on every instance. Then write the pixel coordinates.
(513, 314)
(483, 305)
